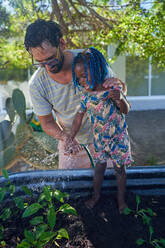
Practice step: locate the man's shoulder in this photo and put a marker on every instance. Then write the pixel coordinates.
(37, 77)
(76, 51)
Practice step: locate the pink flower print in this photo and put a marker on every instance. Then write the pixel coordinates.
(115, 152)
(105, 127)
(106, 148)
(98, 107)
(88, 104)
(128, 162)
(121, 136)
(95, 125)
(111, 131)
(124, 156)
(112, 117)
(105, 112)
(96, 155)
(82, 97)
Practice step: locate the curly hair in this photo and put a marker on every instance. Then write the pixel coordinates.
(40, 31)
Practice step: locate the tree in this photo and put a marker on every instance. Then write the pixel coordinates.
(4, 21)
(134, 29)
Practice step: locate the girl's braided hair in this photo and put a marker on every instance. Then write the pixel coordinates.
(95, 61)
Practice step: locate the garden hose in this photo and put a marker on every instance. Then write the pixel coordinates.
(89, 155)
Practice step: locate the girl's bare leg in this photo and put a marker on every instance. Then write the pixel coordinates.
(97, 183)
(121, 184)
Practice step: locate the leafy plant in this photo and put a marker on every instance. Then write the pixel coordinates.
(41, 214)
(6, 212)
(145, 214)
(157, 243)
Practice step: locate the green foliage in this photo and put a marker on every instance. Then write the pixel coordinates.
(5, 174)
(8, 143)
(11, 72)
(23, 131)
(19, 103)
(26, 190)
(1, 232)
(145, 215)
(5, 143)
(5, 130)
(32, 209)
(4, 22)
(36, 148)
(7, 156)
(153, 242)
(10, 109)
(49, 143)
(42, 215)
(136, 30)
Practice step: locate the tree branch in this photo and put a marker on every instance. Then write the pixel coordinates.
(66, 9)
(93, 12)
(57, 13)
(77, 11)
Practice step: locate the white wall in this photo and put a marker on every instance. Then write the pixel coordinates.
(119, 65)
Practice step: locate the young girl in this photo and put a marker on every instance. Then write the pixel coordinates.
(106, 108)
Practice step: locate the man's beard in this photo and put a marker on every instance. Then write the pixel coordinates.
(57, 67)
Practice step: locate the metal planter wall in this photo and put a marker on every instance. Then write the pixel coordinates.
(149, 180)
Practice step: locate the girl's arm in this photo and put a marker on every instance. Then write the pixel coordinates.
(119, 98)
(71, 145)
(123, 104)
(117, 92)
(76, 124)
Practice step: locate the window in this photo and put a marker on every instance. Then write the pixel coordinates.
(143, 79)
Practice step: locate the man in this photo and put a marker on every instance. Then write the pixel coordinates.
(51, 89)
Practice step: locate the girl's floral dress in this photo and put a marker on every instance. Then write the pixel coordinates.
(111, 138)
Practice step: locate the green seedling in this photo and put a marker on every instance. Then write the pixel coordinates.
(43, 225)
(42, 215)
(156, 243)
(145, 214)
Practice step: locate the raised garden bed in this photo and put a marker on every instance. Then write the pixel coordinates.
(101, 227)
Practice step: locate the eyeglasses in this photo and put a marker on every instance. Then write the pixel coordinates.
(54, 59)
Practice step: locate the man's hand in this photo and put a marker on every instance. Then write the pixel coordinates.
(72, 147)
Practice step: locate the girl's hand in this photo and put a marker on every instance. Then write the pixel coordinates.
(115, 95)
(112, 82)
(115, 83)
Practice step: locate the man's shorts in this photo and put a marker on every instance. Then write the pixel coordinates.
(79, 161)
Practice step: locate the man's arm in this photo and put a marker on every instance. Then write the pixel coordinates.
(50, 127)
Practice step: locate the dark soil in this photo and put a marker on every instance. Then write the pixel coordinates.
(101, 227)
